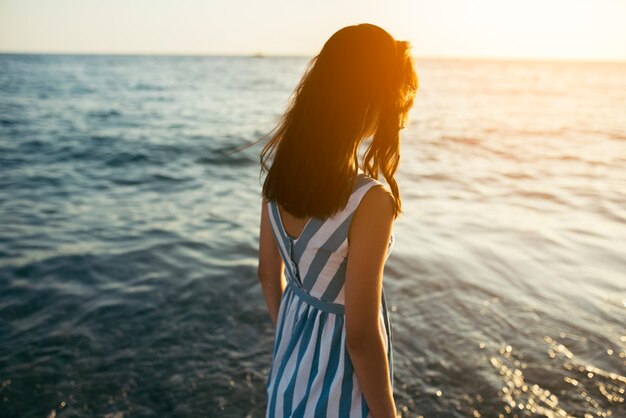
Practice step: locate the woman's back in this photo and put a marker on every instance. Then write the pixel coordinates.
(333, 350)
(312, 373)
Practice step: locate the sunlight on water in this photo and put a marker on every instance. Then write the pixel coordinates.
(129, 240)
(529, 399)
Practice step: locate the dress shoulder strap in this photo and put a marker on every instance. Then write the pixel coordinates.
(325, 227)
(362, 185)
(337, 225)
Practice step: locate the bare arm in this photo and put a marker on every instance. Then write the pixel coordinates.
(271, 266)
(368, 240)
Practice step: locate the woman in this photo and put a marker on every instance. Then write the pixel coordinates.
(326, 228)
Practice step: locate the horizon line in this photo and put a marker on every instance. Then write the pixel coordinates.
(261, 54)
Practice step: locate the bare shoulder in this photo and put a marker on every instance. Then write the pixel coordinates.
(368, 240)
(379, 197)
(375, 211)
(377, 202)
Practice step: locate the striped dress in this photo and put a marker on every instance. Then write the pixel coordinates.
(311, 373)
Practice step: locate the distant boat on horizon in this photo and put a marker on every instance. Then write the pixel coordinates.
(259, 54)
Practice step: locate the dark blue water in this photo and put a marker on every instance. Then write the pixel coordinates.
(128, 240)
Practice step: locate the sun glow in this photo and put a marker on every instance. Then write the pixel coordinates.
(554, 29)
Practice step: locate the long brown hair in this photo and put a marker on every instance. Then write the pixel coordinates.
(361, 72)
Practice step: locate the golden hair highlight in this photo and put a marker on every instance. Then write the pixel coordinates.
(311, 157)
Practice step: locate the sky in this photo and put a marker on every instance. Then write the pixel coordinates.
(531, 29)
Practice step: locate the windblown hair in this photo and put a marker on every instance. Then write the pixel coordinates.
(361, 71)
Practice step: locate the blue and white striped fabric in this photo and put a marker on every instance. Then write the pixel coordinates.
(311, 373)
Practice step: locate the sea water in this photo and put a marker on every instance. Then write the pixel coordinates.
(129, 238)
